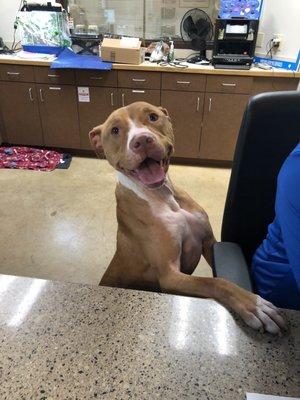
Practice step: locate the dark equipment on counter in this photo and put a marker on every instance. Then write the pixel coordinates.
(234, 44)
(196, 28)
(89, 44)
(40, 7)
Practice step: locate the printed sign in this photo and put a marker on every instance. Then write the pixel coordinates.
(83, 94)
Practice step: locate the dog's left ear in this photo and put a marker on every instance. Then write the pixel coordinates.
(95, 139)
(165, 111)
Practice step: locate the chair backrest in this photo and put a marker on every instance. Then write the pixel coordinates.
(270, 130)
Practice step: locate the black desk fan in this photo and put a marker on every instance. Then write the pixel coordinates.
(196, 28)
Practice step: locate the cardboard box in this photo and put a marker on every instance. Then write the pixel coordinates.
(125, 50)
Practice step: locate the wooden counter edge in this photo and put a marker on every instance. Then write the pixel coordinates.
(192, 70)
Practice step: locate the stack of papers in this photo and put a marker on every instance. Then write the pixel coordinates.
(257, 396)
(35, 56)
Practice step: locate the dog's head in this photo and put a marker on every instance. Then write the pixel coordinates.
(138, 141)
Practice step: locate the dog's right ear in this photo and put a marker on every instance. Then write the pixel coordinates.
(95, 139)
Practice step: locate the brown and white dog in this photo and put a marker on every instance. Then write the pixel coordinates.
(162, 231)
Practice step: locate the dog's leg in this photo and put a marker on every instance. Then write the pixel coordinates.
(255, 311)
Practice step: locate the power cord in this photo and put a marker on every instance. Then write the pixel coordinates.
(16, 24)
(272, 44)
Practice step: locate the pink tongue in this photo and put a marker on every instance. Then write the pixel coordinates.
(151, 173)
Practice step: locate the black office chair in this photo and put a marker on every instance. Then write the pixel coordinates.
(269, 131)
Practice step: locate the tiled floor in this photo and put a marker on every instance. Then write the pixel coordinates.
(61, 225)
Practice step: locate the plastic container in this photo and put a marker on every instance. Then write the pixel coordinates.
(43, 49)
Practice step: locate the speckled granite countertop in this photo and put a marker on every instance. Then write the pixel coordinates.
(66, 341)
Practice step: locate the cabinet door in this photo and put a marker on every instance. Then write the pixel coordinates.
(128, 96)
(20, 113)
(221, 123)
(102, 101)
(59, 115)
(185, 109)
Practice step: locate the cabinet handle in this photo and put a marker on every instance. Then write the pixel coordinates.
(13, 73)
(209, 106)
(138, 91)
(198, 103)
(30, 94)
(53, 76)
(41, 95)
(112, 99)
(123, 99)
(183, 82)
(96, 78)
(138, 80)
(54, 88)
(229, 84)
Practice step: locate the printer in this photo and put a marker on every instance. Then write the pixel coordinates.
(234, 43)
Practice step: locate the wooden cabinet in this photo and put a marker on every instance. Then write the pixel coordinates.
(59, 115)
(221, 123)
(40, 106)
(139, 79)
(102, 102)
(183, 81)
(261, 84)
(20, 113)
(185, 109)
(128, 96)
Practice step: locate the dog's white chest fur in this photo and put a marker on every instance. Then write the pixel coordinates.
(184, 227)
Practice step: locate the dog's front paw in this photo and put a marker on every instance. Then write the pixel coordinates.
(260, 314)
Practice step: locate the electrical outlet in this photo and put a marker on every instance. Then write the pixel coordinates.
(260, 39)
(278, 38)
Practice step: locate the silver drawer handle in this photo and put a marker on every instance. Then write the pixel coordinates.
(183, 82)
(209, 106)
(112, 99)
(54, 88)
(53, 76)
(229, 84)
(138, 91)
(96, 78)
(13, 73)
(123, 100)
(138, 80)
(41, 95)
(198, 103)
(30, 94)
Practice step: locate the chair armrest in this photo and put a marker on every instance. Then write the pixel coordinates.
(229, 263)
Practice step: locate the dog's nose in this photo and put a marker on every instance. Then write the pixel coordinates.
(141, 142)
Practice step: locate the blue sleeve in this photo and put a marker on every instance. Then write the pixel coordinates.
(288, 210)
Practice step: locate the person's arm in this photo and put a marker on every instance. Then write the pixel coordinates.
(288, 210)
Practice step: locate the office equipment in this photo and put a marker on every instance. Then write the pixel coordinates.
(234, 43)
(196, 28)
(249, 9)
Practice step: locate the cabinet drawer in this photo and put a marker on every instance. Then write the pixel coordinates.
(96, 78)
(54, 76)
(229, 84)
(139, 79)
(261, 84)
(16, 73)
(185, 82)
(129, 96)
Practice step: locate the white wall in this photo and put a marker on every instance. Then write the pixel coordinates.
(8, 11)
(283, 17)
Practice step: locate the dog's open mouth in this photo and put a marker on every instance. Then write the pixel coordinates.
(150, 172)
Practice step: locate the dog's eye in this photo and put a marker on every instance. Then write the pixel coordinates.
(115, 130)
(153, 117)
